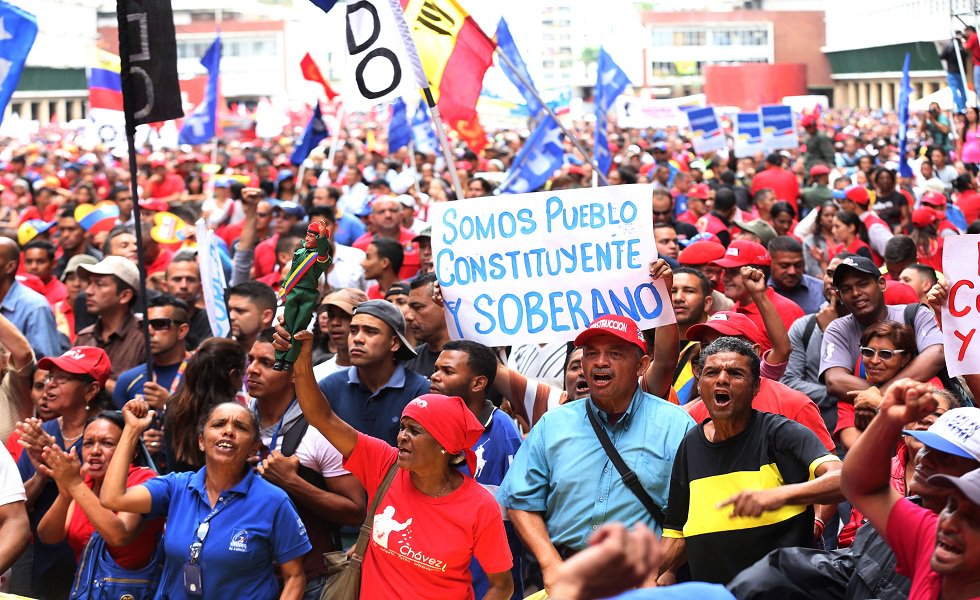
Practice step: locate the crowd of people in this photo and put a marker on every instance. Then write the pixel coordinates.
(794, 434)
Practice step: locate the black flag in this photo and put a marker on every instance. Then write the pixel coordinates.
(148, 55)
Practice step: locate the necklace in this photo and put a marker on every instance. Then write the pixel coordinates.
(446, 488)
(69, 441)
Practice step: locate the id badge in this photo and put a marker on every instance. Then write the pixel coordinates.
(192, 579)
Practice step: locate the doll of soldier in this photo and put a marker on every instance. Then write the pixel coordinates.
(300, 287)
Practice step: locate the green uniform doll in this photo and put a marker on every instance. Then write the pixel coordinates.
(301, 287)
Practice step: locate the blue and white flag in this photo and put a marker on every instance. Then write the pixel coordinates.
(904, 169)
(506, 45)
(199, 126)
(423, 133)
(610, 83)
(18, 29)
(399, 131)
(315, 133)
(537, 161)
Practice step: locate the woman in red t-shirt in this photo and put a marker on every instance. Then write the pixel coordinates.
(77, 512)
(925, 234)
(850, 234)
(433, 520)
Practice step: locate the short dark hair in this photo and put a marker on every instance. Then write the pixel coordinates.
(43, 245)
(329, 213)
(731, 344)
(390, 249)
(784, 243)
(265, 336)
(775, 158)
(67, 210)
(286, 243)
(422, 281)
(180, 307)
(782, 207)
(763, 192)
(662, 225)
(487, 186)
(901, 248)
(724, 199)
(925, 271)
(706, 286)
(480, 359)
(261, 294)
(115, 232)
(116, 190)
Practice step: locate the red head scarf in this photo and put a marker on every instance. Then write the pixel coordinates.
(449, 421)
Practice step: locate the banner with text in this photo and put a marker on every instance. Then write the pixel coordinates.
(378, 66)
(535, 268)
(706, 133)
(961, 315)
(748, 134)
(212, 281)
(657, 113)
(778, 128)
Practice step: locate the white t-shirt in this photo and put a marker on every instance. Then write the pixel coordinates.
(11, 487)
(314, 452)
(327, 367)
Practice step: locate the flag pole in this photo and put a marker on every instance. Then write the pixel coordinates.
(415, 169)
(214, 139)
(447, 152)
(335, 138)
(551, 113)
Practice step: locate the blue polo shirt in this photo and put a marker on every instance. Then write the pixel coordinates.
(378, 414)
(257, 527)
(562, 471)
(130, 383)
(31, 314)
(808, 295)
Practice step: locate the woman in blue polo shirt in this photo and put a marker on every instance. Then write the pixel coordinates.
(226, 526)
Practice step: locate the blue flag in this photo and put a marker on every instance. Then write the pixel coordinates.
(399, 131)
(423, 133)
(324, 5)
(315, 133)
(18, 28)
(199, 126)
(537, 161)
(903, 119)
(610, 83)
(505, 42)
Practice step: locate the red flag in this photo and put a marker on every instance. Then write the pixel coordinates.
(311, 72)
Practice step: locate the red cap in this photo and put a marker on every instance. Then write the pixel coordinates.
(727, 323)
(576, 170)
(158, 162)
(155, 205)
(808, 121)
(81, 360)
(624, 328)
(898, 292)
(317, 227)
(934, 199)
(924, 217)
(698, 190)
(858, 195)
(742, 253)
(816, 170)
(236, 161)
(701, 253)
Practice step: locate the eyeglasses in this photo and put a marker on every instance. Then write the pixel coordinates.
(60, 379)
(160, 324)
(659, 213)
(883, 354)
(262, 215)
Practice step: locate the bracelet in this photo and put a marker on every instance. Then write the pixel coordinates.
(819, 520)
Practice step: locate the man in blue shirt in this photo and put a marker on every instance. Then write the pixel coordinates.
(788, 275)
(562, 485)
(371, 394)
(24, 307)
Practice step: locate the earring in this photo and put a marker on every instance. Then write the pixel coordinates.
(443, 451)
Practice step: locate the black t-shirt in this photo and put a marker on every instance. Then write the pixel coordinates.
(772, 451)
(425, 363)
(889, 207)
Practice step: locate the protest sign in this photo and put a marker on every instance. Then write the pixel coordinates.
(658, 113)
(378, 68)
(748, 134)
(530, 268)
(778, 128)
(212, 280)
(961, 315)
(706, 134)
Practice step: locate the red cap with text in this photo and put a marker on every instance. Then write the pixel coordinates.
(81, 360)
(742, 253)
(619, 326)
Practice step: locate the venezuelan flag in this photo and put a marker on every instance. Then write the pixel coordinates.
(104, 82)
(455, 54)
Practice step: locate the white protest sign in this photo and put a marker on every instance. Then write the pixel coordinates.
(535, 268)
(378, 65)
(748, 134)
(961, 315)
(212, 280)
(778, 128)
(706, 133)
(657, 113)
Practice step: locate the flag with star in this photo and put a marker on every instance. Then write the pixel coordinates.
(18, 30)
(610, 84)
(315, 133)
(537, 161)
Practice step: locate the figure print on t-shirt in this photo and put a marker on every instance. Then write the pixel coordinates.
(480, 461)
(239, 541)
(384, 524)
(403, 546)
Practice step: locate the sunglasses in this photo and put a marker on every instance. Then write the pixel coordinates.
(883, 354)
(160, 324)
(663, 212)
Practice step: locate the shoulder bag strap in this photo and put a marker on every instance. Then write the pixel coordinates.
(629, 476)
(362, 539)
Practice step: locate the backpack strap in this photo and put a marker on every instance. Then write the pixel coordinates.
(292, 438)
(808, 331)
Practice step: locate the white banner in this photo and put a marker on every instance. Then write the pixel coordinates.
(536, 268)
(212, 281)
(748, 134)
(378, 65)
(961, 315)
(652, 112)
(706, 133)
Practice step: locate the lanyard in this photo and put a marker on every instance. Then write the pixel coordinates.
(205, 526)
(275, 432)
(179, 376)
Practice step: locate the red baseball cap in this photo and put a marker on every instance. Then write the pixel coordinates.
(698, 190)
(899, 292)
(81, 360)
(701, 253)
(858, 195)
(816, 170)
(742, 253)
(934, 199)
(727, 323)
(924, 217)
(808, 121)
(624, 328)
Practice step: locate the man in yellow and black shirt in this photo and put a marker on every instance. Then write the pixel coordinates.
(743, 482)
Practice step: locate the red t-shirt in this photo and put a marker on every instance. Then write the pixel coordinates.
(31, 212)
(421, 543)
(779, 399)
(411, 264)
(912, 537)
(969, 203)
(161, 263)
(688, 217)
(788, 310)
(973, 47)
(779, 180)
(709, 223)
(934, 258)
(136, 554)
(55, 291)
(171, 184)
(265, 256)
